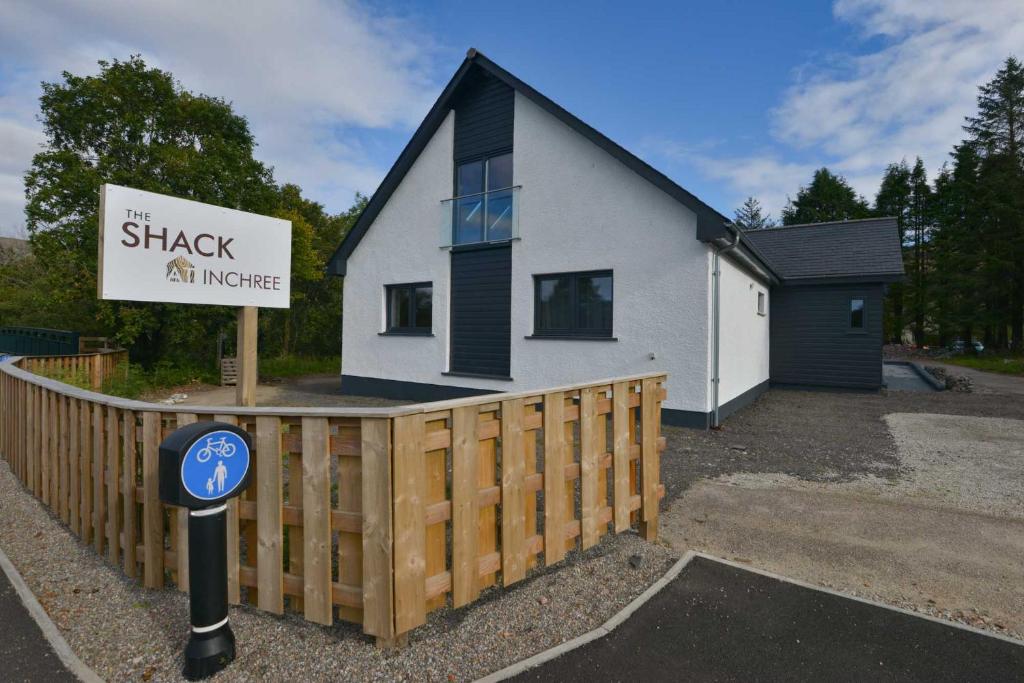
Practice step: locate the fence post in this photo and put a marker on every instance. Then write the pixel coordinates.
(378, 546)
(410, 552)
(96, 371)
(649, 458)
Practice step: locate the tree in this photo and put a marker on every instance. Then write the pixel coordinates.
(919, 223)
(133, 125)
(893, 200)
(751, 216)
(997, 135)
(828, 198)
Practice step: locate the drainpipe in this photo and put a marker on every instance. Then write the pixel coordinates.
(716, 313)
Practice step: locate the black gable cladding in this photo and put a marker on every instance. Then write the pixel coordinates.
(481, 275)
(481, 322)
(484, 113)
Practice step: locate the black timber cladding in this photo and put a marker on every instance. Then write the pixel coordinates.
(484, 112)
(481, 311)
(811, 340)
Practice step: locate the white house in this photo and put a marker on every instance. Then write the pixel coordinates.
(513, 247)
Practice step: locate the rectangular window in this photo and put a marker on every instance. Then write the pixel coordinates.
(483, 200)
(573, 304)
(857, 314)
(409, 308)
(760, 303)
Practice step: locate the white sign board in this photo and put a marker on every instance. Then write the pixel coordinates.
(159, 248)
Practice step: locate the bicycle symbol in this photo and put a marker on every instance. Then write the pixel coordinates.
(220, 448)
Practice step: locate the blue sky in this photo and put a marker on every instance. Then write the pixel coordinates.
(728, 98)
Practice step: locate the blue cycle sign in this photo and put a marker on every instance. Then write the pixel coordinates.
(215, 465)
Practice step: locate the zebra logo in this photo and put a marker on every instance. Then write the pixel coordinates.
(180, 269)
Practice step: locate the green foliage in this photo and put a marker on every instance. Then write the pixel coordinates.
(134, 125)
(1007, 365)
(296, 366)
(751, 216)
(974, 256)
(828, 198)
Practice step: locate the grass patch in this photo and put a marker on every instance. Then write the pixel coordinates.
(295, 366)
(1006, 365)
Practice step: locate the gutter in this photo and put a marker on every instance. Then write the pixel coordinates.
(716, 324)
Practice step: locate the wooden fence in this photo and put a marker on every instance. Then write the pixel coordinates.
(96, 368)
(375, 516)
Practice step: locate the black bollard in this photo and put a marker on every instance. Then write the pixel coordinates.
(211, 646)
(202, 465)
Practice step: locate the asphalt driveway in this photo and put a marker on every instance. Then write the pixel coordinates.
(717, 622)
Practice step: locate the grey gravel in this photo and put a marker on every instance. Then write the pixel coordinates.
(126, 632)
(813, 435)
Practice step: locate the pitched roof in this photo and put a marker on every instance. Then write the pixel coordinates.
(867, 250)
(711, 225)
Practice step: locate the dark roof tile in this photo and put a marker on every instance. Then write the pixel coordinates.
(866, 248)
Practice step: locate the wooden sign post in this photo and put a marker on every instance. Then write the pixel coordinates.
(245, 388)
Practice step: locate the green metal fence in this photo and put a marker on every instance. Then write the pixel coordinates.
(35, 341)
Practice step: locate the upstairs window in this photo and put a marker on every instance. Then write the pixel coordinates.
(856, 314)
(761, 303)
(410, 308)
(483, 200)
(573, 304)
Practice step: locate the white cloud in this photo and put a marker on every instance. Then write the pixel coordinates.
(858, 113)
(304, 73)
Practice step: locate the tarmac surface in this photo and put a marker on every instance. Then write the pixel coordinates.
(717, 622)
(25, 654)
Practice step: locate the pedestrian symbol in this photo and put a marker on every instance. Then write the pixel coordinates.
(215, 465)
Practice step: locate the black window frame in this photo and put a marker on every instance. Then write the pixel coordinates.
(575, 331)
(412, 330)
(484, 194)
(862, 328)
(762, 303)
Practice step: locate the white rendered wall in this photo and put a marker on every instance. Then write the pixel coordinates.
(402, 246)
(743, 359)
(579, 209)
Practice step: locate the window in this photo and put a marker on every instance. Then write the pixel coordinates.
(573, 305)
(483, 200)
(761, 303)
(856, 314)
(409, 308)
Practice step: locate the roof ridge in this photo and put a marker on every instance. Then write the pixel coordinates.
(819, 224)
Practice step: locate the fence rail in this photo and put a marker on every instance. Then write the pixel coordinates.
(375, 515)
(96, 368)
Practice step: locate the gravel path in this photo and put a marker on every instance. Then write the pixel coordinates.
(125, 632)
(813, 435)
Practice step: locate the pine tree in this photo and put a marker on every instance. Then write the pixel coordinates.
(751, 216)
(893, 200)
(997, 134)
(828, 198)
(919, 223)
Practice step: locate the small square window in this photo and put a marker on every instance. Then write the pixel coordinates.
(409, 308)
(573, 304)
(761, 303)
(857, 314)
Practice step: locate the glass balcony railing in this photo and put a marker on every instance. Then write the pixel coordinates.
(479, 218)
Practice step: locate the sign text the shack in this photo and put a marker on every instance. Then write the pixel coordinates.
(159, 248)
